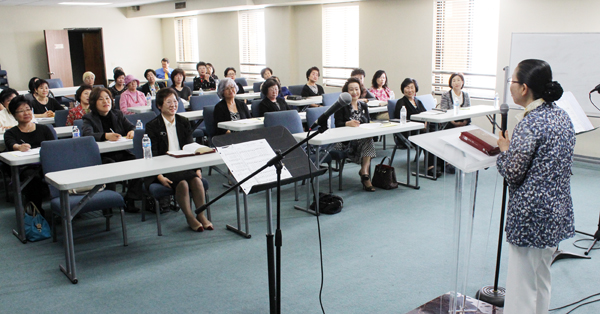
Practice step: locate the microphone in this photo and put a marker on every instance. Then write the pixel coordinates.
(596, 89)
(344, 100)
(504, 113)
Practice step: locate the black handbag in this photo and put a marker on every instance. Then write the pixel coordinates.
(384, 176)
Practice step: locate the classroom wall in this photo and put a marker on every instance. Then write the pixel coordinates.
(548, 16)
(134, 44)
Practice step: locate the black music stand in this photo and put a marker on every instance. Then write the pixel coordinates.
(297, 163)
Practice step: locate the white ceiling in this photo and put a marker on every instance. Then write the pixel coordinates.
(114, 3)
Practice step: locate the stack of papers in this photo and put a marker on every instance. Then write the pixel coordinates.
(33, 151)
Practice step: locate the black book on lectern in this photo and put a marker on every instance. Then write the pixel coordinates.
(279, 138)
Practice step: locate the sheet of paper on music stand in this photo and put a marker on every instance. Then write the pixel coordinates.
(245, 158)
(569, 103)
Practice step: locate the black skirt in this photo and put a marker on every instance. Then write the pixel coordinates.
(177, 177)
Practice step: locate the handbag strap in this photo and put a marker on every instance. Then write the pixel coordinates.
(35, 211)
(381, 163)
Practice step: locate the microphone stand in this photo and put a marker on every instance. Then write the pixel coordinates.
(493, 294)
(273, 241)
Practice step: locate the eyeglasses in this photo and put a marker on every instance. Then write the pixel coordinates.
(516, 82)
(22, 111)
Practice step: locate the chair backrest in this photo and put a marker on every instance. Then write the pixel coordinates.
(189, 84)
(60, 117)
(242, 81)
(78, 123)
(312, 114)
(117, 100)
(139, 88)
(254, 107)
(330, 98)
(138, 135)
(290, 119)
(67, 154)
(209, 120)
(199, 102)
(392, 108)
(54, 83)
(145, 117)
(428, 101)
(296, 89)
(256, 86)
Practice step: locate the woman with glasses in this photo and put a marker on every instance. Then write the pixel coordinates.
(229, 108)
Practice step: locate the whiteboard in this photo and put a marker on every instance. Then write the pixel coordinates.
(573, 57)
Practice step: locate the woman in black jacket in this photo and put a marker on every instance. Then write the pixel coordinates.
(271, 88)
(363, 150)
(229, 108)
(152, 86)
(183, 183)
(105, 124)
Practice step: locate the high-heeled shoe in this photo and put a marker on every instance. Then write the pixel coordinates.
(198, 229)
(209, 226)
(363, 179)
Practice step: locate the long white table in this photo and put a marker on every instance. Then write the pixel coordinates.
(114, 172)
(305, 102)
(141, 109)
(247, 96)
(61, 132)
(15, 162)
(61, 91)
(249, 124)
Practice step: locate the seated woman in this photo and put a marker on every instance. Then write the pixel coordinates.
(449, 98)
(379, 87)
(229, 108)
(266, 73)
(363, 150)
(119, 87)
(82, 96)
(204, 80)
(105, 124)
(131, 97)
(230, 73)
(312, 88)
(211, 71)
(44, 106)
(178, 77)
(23, 137)
(271, 102)
(88, 78)
(7, 120)
(152, 86)
(170, 131)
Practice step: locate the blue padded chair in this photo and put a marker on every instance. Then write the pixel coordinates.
(198, 103)
(254, 108)
(296, 89)
(290, 119)
(55, 83)
(330, 98)
(79, 124)
(77, 153)
(60, 117)
(145, 117)
(242, 81)
(256, 86)
(312, 114)
(189, 84)
(116, 106)
(209, 122)
(157, 190)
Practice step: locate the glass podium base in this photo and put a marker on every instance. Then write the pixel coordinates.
(441, 305)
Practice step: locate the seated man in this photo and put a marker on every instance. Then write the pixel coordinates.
(165, 71)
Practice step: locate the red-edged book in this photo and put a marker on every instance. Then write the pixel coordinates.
(482, 141)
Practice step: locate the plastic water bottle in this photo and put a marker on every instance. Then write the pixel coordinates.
(403, 115)
(147, 146)
(496, 101)
(148, 100)
(456, 106)
(200, 91)
(76, 131)
(330, 122)
(139, 125)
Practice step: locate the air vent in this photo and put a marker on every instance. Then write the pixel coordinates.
(180, 5)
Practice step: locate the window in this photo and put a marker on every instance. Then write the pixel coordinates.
(466, 40)
(252, 43)
(186, 39)
(340, 43)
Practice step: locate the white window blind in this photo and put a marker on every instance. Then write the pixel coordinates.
(466, 40)
(252, 43)
(186, 39)
(340, 43)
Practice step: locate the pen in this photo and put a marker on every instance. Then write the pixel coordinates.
(22, 141)
(112, 130)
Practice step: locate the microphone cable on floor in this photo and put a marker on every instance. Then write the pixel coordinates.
(580, 305)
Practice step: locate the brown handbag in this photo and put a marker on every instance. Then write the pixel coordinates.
(384, 176)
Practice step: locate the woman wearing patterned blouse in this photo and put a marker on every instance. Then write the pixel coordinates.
(229, 108)
(379, 86)
(363, 150)
(536, 163)
(82, 96)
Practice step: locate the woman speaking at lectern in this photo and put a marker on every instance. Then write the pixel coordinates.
(536, 164)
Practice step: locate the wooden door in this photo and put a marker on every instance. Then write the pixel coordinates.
(93, 54)
(59, 56)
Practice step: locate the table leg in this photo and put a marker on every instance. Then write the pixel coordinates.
(19, 210)
(70, 270)
(308, 186)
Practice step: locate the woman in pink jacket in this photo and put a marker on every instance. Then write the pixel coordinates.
(131, 97)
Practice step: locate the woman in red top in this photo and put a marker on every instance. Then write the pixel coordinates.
(82, 96)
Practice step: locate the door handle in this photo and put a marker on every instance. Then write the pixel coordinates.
(50, 73)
